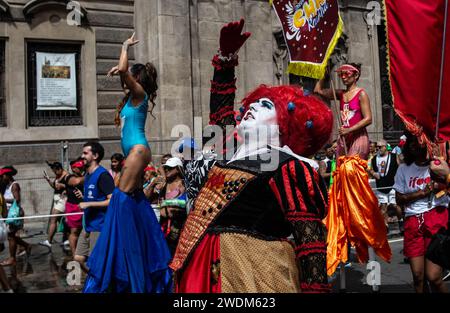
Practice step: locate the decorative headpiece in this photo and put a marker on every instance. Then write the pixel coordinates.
(347, 67)
(291, 106)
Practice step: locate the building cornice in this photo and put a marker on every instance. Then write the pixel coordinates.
(35, 6)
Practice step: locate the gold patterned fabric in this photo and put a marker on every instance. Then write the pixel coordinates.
(222, 186)
(251, 265)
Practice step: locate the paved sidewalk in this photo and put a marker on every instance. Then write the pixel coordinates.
(42, 272)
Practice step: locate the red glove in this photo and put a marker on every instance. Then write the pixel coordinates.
(231, 39)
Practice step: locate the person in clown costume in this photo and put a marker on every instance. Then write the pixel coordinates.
(246, 206)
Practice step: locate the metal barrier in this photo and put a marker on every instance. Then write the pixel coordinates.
(36, 197)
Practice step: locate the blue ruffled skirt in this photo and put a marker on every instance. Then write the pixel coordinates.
(131, 254)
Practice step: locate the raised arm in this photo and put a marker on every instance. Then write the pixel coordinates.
(327, 93)
(223, 85)
(136, 90)
(49, 181)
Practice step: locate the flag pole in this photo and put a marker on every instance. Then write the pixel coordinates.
(337, 111)
(441, 79)
(342, 277)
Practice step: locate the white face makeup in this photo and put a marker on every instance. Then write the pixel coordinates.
(260, 113)
(259, 127)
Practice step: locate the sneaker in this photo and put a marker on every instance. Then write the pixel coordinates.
(45, 243)
(67, 243)
(346, 265)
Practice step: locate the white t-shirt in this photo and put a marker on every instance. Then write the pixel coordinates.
(382, 164)
(412, 178)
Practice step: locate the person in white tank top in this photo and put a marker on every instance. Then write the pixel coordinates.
(12, 192)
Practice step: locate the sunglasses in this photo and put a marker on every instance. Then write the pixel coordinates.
(345, 73)
(379, 147)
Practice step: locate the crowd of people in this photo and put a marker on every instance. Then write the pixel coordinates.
(202, 224)
(161, 183)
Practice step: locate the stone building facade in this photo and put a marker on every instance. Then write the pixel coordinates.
(180, 38)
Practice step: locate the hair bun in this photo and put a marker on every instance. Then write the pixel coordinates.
(150, 68)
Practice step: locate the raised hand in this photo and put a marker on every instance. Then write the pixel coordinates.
(113, 71)
(440, 168)
(231, 38)
(131, 41)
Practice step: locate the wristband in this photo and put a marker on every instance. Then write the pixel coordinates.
(228, 58)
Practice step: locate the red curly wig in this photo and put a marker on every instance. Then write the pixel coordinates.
(305, 126)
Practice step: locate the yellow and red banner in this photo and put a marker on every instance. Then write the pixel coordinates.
(415, 30)
(311, 29)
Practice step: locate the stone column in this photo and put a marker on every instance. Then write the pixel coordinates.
(181, 37)
(255, 58)
(164, 27)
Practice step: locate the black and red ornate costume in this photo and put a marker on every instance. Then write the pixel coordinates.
(251, 230)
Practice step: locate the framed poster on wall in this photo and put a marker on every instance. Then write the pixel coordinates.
(56, 81)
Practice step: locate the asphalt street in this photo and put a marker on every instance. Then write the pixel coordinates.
(45, 272)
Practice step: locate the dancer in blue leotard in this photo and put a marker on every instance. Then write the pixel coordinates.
(131, 254)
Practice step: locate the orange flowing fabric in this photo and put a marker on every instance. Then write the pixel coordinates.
(354, 215)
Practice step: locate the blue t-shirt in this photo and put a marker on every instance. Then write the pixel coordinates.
(97, 186)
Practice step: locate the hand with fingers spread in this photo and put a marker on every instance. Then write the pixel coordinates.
(130, 41)
(232, 38)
